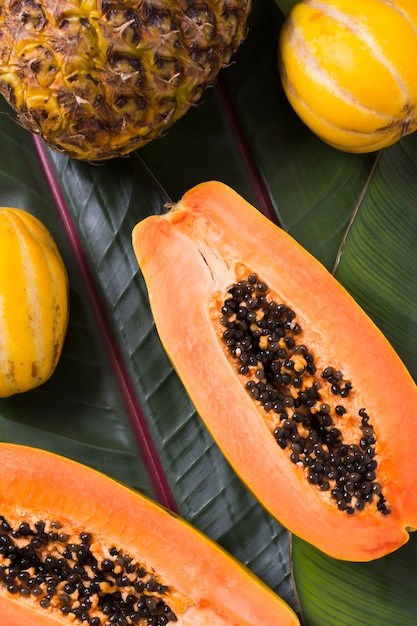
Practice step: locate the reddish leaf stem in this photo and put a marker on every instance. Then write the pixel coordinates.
(146, 446)
(264, 202)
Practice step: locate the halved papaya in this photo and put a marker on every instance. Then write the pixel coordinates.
(304, 395)
(77, 547)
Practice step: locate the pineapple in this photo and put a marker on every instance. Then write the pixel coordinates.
(100, 78)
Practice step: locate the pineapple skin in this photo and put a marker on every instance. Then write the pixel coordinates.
(98, 79)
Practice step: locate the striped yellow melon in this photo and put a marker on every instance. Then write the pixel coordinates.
(33, 302)
(349, 70)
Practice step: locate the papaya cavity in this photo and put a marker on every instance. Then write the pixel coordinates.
(309, 410)
(301, 391)
(72, 572)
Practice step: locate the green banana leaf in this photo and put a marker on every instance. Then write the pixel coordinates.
(116, 404)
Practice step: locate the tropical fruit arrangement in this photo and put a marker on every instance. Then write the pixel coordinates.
(308, 402)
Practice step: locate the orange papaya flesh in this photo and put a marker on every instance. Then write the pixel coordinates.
(313, 408)
(77, 547)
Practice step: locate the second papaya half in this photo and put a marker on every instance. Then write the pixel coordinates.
(294, 381)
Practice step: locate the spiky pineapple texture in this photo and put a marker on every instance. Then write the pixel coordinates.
(100, 78)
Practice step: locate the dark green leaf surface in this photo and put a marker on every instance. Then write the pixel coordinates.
(379, 260)
(335, 593)
(115, 402)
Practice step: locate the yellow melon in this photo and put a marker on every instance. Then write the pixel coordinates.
(348, 68)
(34, 302)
